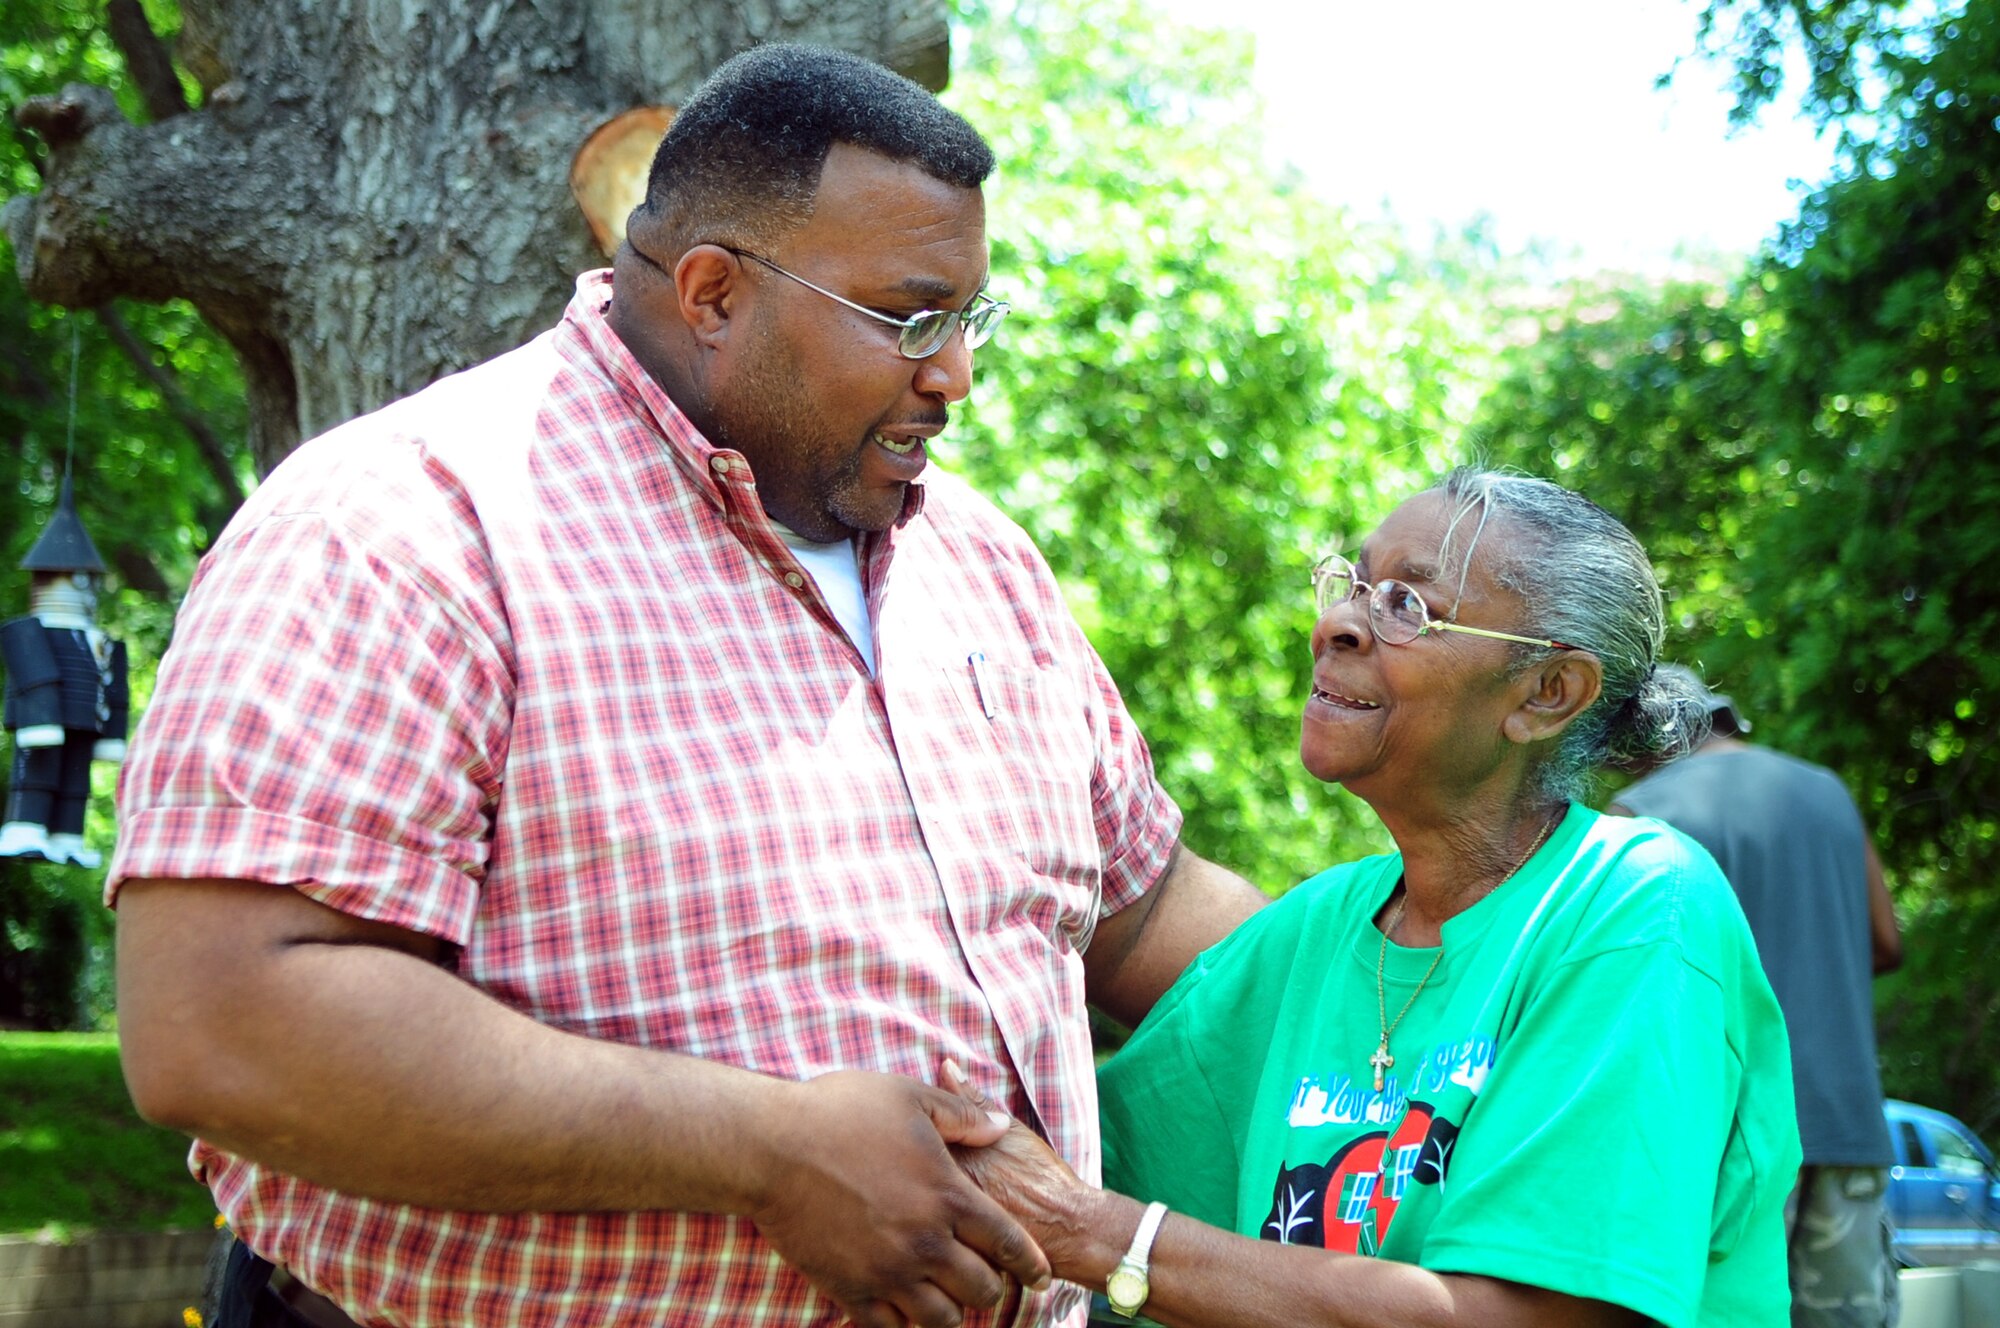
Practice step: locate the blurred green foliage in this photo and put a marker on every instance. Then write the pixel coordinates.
(1209, 378)
(149, 499)
(1812, 453)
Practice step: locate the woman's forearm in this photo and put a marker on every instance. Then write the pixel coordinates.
(1204, 1277)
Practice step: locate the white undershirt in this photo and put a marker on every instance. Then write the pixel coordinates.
(836, 570)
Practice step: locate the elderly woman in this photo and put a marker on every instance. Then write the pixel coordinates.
(1524, 1070)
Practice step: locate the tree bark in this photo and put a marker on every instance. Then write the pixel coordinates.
(375, 194)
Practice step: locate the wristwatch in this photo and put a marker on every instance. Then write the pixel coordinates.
(1128, 1286)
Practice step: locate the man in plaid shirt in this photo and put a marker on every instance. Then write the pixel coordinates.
(587, 801)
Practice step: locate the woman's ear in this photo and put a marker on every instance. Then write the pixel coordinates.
(1563, 688)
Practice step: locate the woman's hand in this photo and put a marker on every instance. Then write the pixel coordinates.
(1024, 1175)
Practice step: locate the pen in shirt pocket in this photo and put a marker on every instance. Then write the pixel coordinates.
(977, 659)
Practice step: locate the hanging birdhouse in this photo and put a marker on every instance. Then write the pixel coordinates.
(66, 695)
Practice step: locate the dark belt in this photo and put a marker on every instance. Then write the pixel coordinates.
(253, 1292)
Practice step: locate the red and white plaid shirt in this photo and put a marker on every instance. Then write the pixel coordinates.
(520, 663)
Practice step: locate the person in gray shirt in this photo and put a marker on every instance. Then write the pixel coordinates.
(1790, 839)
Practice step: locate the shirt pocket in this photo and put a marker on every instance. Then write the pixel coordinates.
(1043, 742)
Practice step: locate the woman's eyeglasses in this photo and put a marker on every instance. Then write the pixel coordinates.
(1396, 613)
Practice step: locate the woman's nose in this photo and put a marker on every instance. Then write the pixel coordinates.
(1344, 621)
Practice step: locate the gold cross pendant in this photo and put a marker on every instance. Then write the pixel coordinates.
(1381, 1060)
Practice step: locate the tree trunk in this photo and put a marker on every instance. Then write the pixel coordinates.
(375, 193)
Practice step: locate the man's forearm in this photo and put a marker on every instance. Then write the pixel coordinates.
(334, 1049)
(376, 1073)
(1885, 938)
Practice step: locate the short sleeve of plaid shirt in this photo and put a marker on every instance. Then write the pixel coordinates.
(520, 662)
(334, 716)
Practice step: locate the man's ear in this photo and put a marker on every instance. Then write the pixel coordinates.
(1563, 688)
(706, 290)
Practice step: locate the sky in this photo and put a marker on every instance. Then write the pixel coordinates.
(1540, 113)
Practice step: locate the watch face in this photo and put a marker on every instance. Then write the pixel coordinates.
(1126, 1289)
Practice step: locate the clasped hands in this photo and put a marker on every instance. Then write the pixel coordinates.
(907, 1204)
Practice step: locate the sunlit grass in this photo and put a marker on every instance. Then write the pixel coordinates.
(74, 1153)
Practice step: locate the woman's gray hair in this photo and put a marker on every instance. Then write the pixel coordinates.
(1586, 582)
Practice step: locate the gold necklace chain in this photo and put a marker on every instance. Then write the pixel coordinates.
(1382, 1061)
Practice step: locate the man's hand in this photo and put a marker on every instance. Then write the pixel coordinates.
(867, 1203)
(1026, 1177)
(338, 1050)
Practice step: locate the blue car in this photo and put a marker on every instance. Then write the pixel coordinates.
(1944, 1191)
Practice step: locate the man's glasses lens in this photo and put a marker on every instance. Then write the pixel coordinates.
(928, 333)
(984, 320)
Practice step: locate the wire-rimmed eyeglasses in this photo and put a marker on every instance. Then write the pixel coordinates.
(923, 334)
(1397, 614)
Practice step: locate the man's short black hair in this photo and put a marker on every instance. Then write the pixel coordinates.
(741, 162)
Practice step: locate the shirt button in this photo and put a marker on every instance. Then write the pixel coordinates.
(721, 465)
(794, 580)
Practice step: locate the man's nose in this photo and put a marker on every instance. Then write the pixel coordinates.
(946, 373)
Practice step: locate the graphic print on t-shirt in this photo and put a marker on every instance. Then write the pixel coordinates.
(1347, 1202)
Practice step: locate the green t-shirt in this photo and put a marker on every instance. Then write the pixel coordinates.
(1591, 1094)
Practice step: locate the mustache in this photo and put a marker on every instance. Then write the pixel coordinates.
(933, 421)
